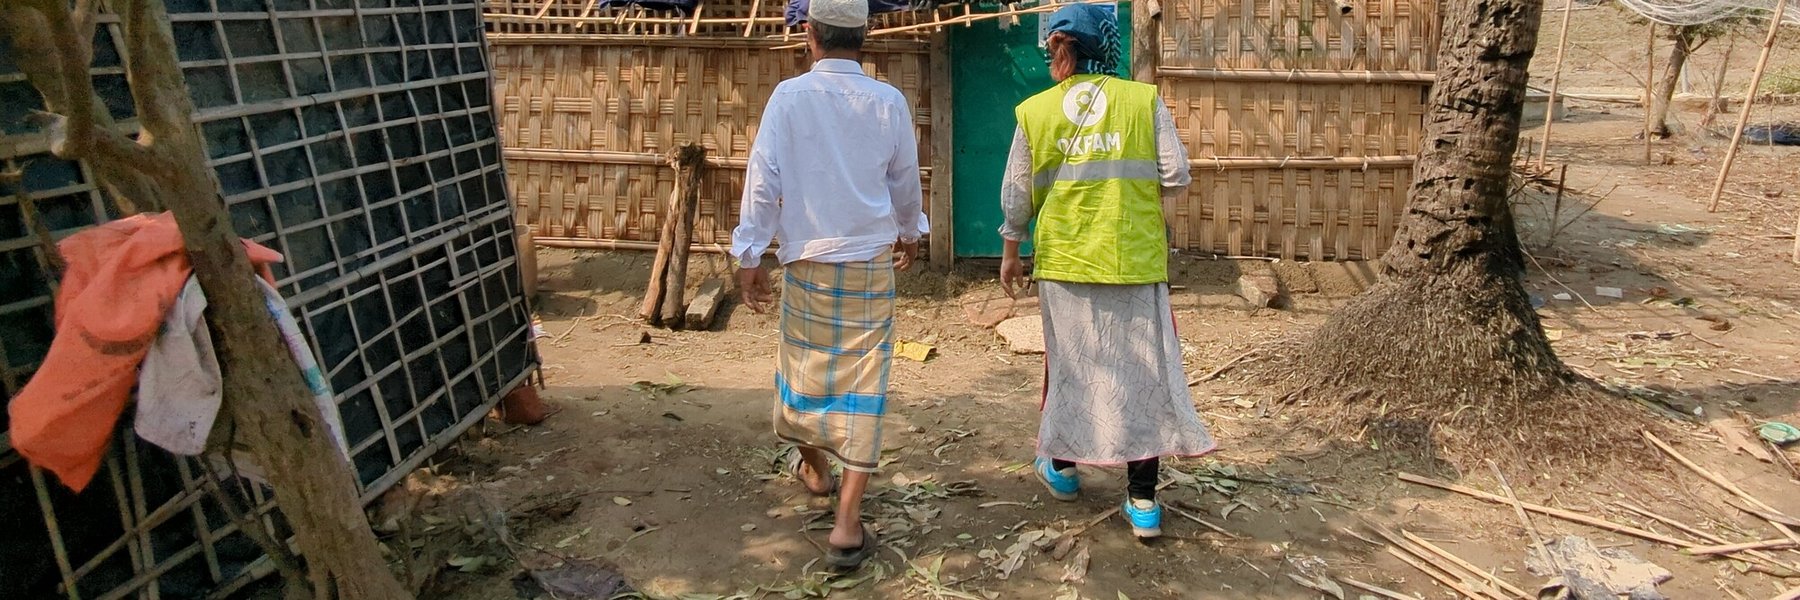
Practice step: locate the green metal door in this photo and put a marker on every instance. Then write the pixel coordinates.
(992, 70)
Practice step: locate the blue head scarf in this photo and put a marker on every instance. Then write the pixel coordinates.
(1096, 34)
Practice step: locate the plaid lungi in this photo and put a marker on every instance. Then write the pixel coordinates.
(831, 375)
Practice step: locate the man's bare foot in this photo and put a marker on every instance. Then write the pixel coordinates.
(817, 483)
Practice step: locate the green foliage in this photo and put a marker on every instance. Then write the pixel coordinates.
(1783, 79)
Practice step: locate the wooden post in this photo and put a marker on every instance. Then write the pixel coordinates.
(659, 268)
(1562, 44)
(943, 154)
(1146, 39)
(1737, 135)
(690, 163)
(1649, 85)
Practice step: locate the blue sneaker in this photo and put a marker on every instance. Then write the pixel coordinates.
(1064, 485)
(1145, 517)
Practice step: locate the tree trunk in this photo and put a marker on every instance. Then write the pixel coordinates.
(266, 400)
(270, 404)
(690, 165)
(1448, 336)
(1683, 38)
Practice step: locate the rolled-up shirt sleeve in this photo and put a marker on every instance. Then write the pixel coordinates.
(903, 178)
(1171, 153)
(1016, 205)
(760, 209)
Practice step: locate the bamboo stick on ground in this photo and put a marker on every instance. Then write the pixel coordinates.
(1203, 522)
(1376, 590)
(1458, 561)
(1793, 594)
(1447, 579)
(1446, 567)
(1723, 484)
(1763, 559)
(1519, 510)
(1545, 510)
(1782, 544)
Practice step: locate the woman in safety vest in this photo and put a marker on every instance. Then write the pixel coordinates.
(1095, 160)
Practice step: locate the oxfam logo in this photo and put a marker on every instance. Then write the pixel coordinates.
(1084, 104)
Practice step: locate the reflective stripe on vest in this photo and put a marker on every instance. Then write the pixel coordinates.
(1125, 168)
(1096, 182)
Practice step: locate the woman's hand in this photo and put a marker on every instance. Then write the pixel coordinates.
(1012, 276)
(1012, 270)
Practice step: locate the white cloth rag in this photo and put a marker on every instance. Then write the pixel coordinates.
(179, 386)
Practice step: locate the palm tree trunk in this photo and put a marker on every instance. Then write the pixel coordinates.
(1449, 332)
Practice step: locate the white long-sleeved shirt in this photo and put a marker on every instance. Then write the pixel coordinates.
(834, 171)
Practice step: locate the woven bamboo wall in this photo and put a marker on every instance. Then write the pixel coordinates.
(585, 126)
(1302, 122)
(591, 100)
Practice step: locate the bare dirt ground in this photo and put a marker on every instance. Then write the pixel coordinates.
(660, 461)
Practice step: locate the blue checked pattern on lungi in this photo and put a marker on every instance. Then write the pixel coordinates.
(831, 375)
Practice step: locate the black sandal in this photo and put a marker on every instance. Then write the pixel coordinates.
(796, 463)
(848, 559)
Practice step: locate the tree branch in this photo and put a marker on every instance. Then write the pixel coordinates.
(13, 178)
(85, 22)
(157, 113)
(117, 161)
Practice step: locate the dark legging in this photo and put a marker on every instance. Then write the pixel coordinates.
(1140, 476)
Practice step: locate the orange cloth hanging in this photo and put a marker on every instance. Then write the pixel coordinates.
(121, 279)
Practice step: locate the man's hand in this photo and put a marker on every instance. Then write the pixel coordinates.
(1012, 275)
(754, 290)
(904, 254)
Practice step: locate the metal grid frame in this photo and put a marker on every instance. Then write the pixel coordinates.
(357, 137)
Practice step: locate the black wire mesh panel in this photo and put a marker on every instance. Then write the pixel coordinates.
(357, 138)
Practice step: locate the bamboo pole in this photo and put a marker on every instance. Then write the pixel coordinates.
(750, 27)
(1723, 483)
(1649, 86)
(1444, 577)
(1737, 135)
(1763, 560)
(1297, 76)
(591, 244)
(1493, 580)
(1525, 519)
(1375, 589)
(1562, 44)
(1781, 544)
(1300, 162)
(1545, 510)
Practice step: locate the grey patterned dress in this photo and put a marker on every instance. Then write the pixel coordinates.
(1114, 389)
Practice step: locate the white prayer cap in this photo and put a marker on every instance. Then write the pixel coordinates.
(839, 13)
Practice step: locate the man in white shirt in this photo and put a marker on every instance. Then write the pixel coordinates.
(834, 175)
